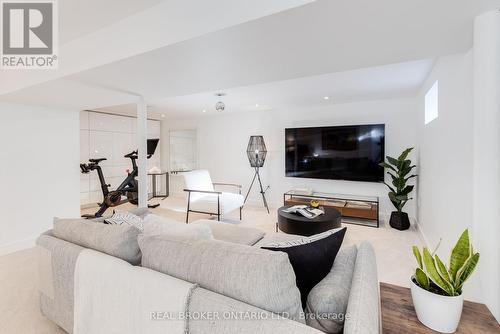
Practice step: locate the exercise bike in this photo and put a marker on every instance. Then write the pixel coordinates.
(129, 186)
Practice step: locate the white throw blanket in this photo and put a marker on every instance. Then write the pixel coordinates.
(112, 296)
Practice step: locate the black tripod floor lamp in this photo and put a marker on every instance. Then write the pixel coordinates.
(256, 152)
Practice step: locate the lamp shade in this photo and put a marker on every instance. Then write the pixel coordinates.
(256, 151)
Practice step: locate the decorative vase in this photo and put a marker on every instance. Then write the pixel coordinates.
(399, 220)
(440, 313)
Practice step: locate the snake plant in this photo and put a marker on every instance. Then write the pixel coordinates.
(434, 276)
(399, 170)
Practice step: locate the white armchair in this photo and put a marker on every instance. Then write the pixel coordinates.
(203, 198)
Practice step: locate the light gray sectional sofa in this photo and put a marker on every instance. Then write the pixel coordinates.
(232, 274)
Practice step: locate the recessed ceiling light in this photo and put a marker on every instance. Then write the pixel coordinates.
(326, 97)
(163, 115)
(204, 110)
(256, 105)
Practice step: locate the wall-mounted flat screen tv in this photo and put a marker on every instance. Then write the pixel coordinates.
(350, 152)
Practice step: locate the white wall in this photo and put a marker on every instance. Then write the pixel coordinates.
(459, 158)
(487, 154)
(183, 150)
(222, 142)
(39, 168)
(445, 182)
(111, 137)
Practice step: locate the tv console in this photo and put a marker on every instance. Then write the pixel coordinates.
(360, 210)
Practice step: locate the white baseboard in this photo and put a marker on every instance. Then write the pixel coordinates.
(421, 233)
(17, 246)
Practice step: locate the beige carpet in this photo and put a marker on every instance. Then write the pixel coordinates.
(19, 311)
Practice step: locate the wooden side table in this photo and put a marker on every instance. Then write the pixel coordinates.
(398, 315)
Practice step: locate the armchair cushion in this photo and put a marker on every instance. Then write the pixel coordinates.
(208, 202)
(198, 180)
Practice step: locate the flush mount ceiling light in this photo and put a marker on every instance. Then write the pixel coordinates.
(326, 97)
(163, 115)
(220, 106)
(204, 111)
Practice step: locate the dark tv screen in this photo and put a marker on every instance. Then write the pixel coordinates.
(350, 152)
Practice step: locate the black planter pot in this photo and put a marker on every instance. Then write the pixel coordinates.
(399, 220)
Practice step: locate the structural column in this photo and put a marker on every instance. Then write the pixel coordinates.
(142, 131)
(486, 170)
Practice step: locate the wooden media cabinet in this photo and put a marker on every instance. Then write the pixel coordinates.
(361, 210)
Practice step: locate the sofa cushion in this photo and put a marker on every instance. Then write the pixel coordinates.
(311, 257)
(115, 240)
(236, 234)
(249, 274)
(155, 225)
(363, 310)
(141, 212)
(327, 302)
(229, 316)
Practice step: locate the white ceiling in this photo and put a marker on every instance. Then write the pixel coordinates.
(166, 23)
(389, 81)
(81, 17)
(321, 37)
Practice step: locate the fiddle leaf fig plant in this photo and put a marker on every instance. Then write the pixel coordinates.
(399, 169)
(433, 275)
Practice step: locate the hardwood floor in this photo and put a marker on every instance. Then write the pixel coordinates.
(398, 315)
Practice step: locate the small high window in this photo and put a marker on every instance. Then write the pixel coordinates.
(432, 103)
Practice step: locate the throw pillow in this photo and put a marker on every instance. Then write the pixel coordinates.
(141, 212)
(116, 240)
(156, 225)
(327, 302)
(120, 217)
(249, 274)
(235, 234)
(311, 257)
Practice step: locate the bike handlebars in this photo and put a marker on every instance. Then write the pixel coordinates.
(133, 155)
(97, 160)
(94, 163)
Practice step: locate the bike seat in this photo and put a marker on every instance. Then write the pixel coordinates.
(97, 160)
